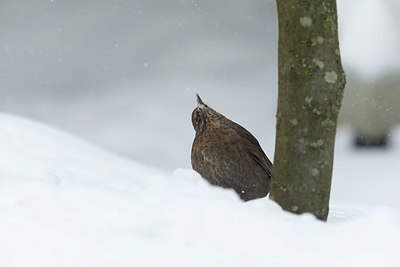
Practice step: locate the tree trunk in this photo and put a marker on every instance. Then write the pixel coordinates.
(311, 83)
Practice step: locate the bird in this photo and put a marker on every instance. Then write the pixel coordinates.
(227, 155)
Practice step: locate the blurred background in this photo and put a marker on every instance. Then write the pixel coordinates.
(123, 74)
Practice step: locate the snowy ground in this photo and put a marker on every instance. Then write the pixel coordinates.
(64, 202)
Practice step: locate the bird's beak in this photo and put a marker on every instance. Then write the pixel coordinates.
(200, 103)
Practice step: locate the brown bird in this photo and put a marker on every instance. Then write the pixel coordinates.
(227, 155)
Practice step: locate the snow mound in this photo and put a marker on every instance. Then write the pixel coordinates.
(64, 202)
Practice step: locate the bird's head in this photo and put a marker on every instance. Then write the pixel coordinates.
(202, 115)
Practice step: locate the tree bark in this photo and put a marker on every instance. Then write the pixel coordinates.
(311, 83)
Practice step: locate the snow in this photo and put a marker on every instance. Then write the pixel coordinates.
(64, 202)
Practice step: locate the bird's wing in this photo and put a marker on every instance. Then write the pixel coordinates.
(241, 131)
(254, 149)
(261, 159)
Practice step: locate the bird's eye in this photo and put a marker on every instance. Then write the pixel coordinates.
(197, 117)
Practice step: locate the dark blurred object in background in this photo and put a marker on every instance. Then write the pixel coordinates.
(370, 42)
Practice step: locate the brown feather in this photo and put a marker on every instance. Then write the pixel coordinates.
(228, 155)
